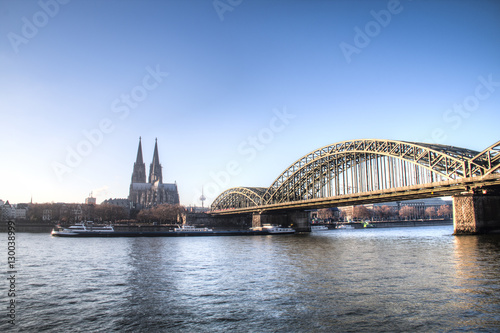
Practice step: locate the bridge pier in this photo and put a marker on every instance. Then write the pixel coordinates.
(259, 219)
(477, 212)
(298, 220)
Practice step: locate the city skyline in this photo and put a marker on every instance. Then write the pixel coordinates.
(235, 92)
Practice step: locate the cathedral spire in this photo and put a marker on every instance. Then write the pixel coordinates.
(155, 167)
(139, 173)
(139, 153)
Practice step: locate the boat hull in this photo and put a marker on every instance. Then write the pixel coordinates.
(167, 233)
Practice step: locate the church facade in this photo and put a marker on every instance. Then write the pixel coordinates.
(153, 192)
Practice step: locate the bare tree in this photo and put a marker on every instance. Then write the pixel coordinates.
(145, 215)
(444, 211)
(430, 212)
(361, 212)
(107, 212)
(326, 213)
(407, 212)
(165, 213)
(384, 212)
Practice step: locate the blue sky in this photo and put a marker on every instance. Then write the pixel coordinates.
(235, 91)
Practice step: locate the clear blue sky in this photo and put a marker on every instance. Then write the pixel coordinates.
(210, 81)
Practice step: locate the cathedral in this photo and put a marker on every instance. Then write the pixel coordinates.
(154, 192)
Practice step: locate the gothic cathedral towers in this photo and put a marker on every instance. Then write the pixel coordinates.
(139, 173)
(155, 167)
(154, 192)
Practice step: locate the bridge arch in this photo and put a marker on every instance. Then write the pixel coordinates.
(356, 166)
(367, 165)
(239, 197)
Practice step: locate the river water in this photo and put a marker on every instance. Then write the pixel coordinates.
(370, 280)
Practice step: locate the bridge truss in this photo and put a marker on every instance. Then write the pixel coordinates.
(239, 197)
(362, 166)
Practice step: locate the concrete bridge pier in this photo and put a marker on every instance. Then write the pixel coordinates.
(257, 220)
(477, 212)
(299, 220)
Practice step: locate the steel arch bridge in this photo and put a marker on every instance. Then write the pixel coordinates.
(240, 197)
(349, 168)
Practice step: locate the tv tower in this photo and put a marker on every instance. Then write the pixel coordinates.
(202, 198)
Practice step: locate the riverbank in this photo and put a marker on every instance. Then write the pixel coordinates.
(26, 226)
(44, 227)
(400, 224)
(37, 227)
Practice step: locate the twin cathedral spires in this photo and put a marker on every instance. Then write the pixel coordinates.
(139, 173)
(153, 192)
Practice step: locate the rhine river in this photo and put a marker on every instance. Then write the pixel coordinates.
(369, 280)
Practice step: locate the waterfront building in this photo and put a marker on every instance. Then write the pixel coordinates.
(8, 211)
(124, 203)
(196, 209)
(418, 212)
(13, 211)
(153, 192)
(90, 200)
(21, 211)
(47, 215)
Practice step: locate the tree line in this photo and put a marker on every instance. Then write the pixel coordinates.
(385, 213)
(72, 213)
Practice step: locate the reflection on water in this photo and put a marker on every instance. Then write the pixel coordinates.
(407, 279)
(477, 285)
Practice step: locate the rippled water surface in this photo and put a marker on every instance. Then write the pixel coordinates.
(403, 279)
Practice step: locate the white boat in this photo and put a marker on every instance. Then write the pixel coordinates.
(273, 229)
(319, 228)
(82, 229)
(191, 228)
(345, 226)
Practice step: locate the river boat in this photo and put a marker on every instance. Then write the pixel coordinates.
(345, 226)
(273, 229)
(319, 228)
(83, 229)
(191, 228)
